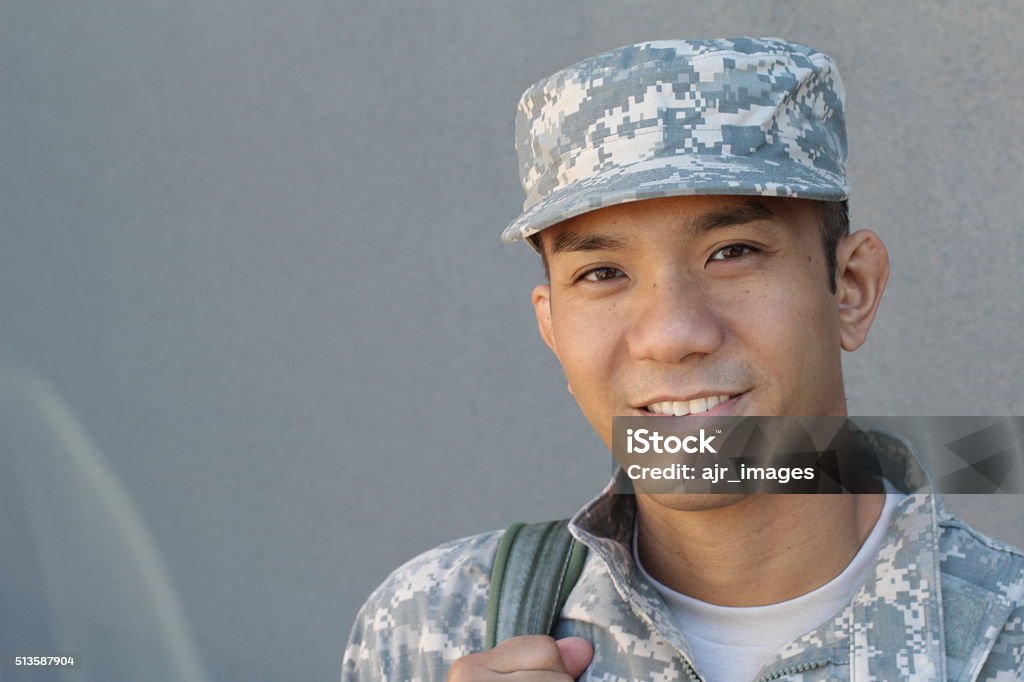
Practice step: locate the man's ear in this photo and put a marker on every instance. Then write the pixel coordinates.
(541, 298)
(862, 265)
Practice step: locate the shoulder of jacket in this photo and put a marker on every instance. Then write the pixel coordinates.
(457, 565)
(978, 559)
(428, 612)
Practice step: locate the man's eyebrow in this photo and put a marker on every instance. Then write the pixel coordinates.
(571, 241)
(748, 211)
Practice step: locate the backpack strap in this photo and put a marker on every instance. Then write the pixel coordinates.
(535, 569)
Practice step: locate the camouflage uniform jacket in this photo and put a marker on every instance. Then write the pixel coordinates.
(944, 602)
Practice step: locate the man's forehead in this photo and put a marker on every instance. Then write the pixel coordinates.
(619, 227)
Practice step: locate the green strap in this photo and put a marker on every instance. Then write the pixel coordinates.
(535, 568)
(497, 580)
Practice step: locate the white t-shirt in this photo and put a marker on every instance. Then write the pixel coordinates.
(732, 643)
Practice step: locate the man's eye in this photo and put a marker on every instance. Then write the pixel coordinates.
(600, 274)
(733, 251)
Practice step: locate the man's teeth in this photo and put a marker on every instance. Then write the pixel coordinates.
(680, 408)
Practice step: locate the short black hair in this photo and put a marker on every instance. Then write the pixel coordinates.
(834, 224)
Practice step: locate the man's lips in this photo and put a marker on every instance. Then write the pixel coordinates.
(710, 404)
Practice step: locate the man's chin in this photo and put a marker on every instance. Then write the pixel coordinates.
(691, 502)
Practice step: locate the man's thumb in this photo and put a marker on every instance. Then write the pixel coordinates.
(576, 654)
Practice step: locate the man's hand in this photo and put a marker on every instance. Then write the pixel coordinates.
(531, 658)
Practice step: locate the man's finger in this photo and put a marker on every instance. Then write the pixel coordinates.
(533, 657)
(529, 652)
(576, 654)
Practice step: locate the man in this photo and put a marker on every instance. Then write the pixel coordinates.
(688, 201)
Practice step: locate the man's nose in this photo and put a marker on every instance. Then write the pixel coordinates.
(673, 321)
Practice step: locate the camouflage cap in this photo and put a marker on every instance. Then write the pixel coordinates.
(755, 116)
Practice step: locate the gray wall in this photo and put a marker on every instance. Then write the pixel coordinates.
(253, 246)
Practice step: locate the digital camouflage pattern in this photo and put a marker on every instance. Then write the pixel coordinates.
(944, 603)
(754, 116)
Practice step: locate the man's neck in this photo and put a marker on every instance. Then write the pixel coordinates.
(760, 550)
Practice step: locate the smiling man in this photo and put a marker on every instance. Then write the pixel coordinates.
(688, 199)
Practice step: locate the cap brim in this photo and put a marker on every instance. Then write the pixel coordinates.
(683, 175)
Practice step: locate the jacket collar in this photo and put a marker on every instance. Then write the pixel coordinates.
(898, 610)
